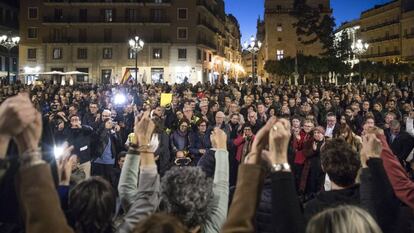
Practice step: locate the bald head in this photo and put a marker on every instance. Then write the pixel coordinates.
(219, 118)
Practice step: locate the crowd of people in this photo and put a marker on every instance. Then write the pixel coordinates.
(216, 158)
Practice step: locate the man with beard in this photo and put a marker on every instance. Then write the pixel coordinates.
(80, 137)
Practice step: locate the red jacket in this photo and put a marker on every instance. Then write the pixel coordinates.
(298, 145)
(401, 183)
(239, 143)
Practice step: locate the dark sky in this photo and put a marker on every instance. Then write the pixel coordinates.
(247, 12)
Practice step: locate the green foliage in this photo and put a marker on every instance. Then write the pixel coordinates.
(310, 24)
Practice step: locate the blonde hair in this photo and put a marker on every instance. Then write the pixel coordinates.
(343, 219)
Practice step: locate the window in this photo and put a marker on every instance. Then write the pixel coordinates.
(209, 57)
(32, 13)
(279, 27)
(182, 54)
(82, 77)
(157, 53)
(279, 7)
(83, 15)
(107, 53)
(182, 13)
(32, 33)
(395, 48)
(82, 53)
(108, 15)
(182, 33)
(280, 54)
(1, 15)
(82, 35)
(131, 54)
(131, 15)
(279, 39)
(57, 35)
(205, 56)
(199, 58)
(57, 53)
(58, 14)
(107, 35)
(31, 53)
(156, 15)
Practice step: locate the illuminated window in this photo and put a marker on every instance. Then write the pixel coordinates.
(280, 54)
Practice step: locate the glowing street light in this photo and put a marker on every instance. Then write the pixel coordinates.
(136, 44)
(253, 47)
(8, 41)
(359, 48)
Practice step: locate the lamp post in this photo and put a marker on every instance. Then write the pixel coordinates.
(136, 44)
(253, 47)
(359, 48)
(8, 41)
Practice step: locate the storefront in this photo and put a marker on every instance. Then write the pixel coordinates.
(157, 75)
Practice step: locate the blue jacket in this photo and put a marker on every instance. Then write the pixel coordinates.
(197, 142)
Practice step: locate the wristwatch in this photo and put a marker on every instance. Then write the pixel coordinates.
(280, 167)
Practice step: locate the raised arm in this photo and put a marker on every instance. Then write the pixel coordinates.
(221, 183)
(377, 194)
(287, 215)
(37, 195)
(147, 196)
(249, 183)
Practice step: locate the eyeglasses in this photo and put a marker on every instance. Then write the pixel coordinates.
(247, 129)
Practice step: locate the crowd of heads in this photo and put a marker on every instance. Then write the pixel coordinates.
(326, 124)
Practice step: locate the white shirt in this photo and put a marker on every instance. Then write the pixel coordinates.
(329, 132)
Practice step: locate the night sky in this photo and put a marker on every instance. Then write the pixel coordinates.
(247, 12)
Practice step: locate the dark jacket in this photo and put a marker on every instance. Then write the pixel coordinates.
(198, 141)
(402, 145)
(264, 222)
(334, 198)
(102, 141)
(81, 140)
(178, 142)
(163, 152)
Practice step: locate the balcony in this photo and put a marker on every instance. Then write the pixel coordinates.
(103, 21)
(386, 54)
(380, 25)
(386, 38)
(206, 43)
(204, 4)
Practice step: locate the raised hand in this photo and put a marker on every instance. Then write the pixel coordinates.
(143, 129)
(16, 113)
(65, 162)
(262, 137)
(279, 137)
(219, 139)
(371, 148)
(29, 138)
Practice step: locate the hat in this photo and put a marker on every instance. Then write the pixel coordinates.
(320, 129)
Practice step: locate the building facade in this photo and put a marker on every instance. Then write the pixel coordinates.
(184, 40)
(9, 15)
(280, 38)
(351, 32)
(389, 30)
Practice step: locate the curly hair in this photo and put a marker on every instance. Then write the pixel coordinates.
(340, 161)
(187, 194)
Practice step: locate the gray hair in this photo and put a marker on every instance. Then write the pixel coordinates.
(343, 219)
(186, 193)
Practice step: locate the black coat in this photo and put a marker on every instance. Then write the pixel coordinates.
(102, 141)
(81, 140)
(264, 222)
(334, 198)
(402, 145)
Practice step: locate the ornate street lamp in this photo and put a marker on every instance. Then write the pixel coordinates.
(8, 41)
(136, 44)
(359, 48)
(253, 47)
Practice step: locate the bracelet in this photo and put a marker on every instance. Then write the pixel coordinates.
(31, 158)
(133, 151)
